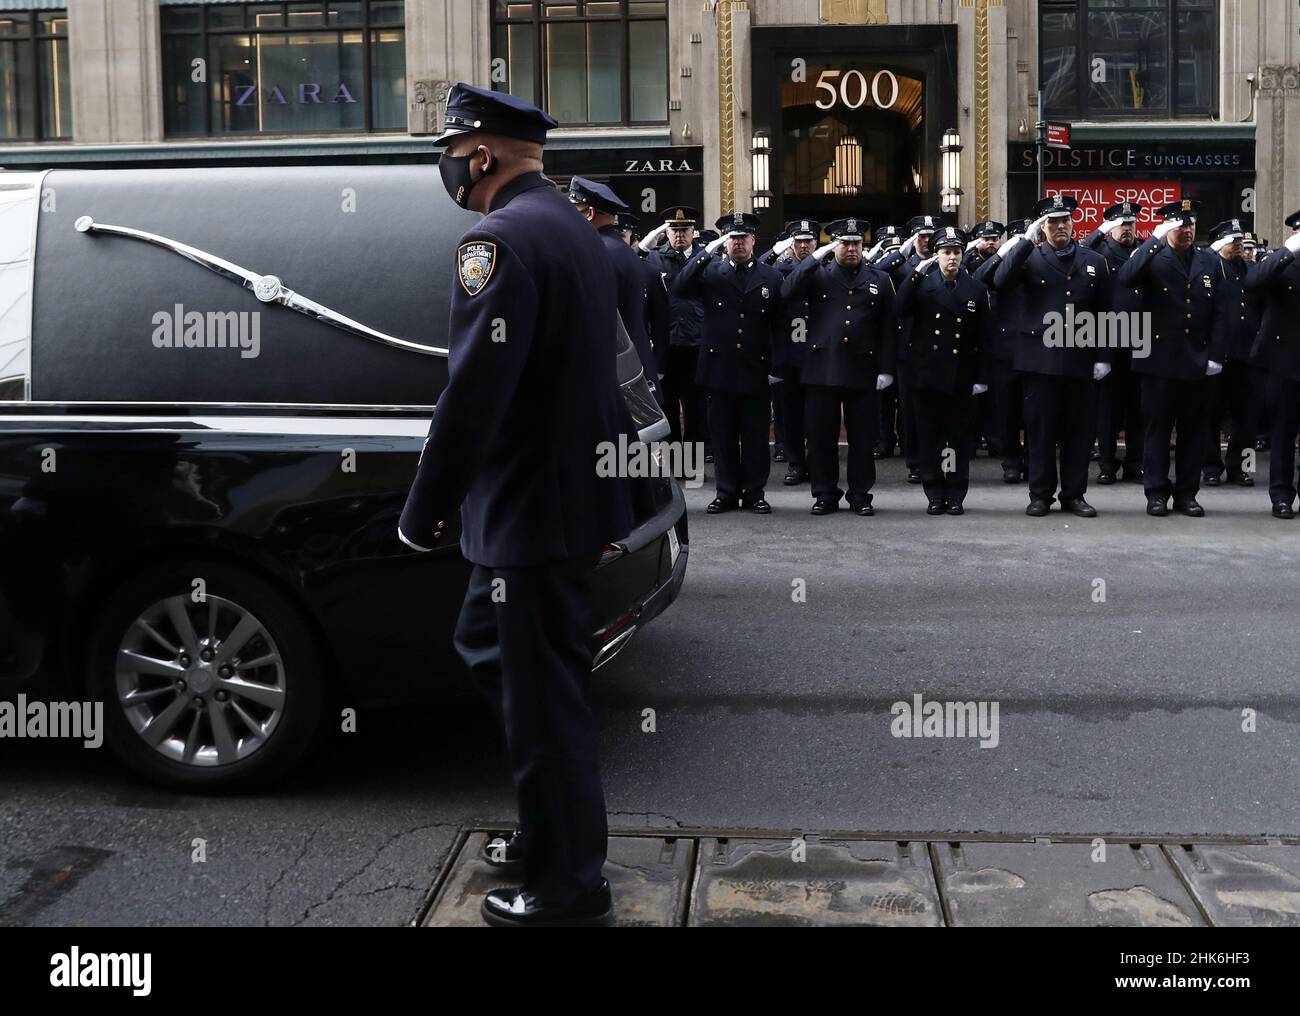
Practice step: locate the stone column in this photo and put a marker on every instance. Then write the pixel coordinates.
(446, 41)
(116, 71)
(1277, 149)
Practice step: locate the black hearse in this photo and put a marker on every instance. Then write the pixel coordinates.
(214, 388)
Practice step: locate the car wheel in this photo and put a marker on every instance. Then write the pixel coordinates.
(218, 687)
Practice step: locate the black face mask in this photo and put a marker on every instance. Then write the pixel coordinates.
(456, 177)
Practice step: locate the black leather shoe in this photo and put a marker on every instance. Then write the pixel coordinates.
(1010, 474)
(778, 453)
(722, 504)
(862, 508)
(1157, 506)
(1244, 480)
(1094, 455)
(1210, 480)
(955, 508)
(1188, 507)
(501, 852)
(1078, 506)
(935, 508)
(1106, 477)
(514, 908)
(824, 506)
(1037, 508)
(795, 476)
(1282, 510)
(913, 476)
(758, 506)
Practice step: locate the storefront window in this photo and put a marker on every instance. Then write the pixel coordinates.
(297, 68)
(35, 93)
(1107, 59)
(584, 61)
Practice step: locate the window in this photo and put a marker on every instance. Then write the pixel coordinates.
(1148, 59)
(35, 97)
(284, 68)
(584, 61)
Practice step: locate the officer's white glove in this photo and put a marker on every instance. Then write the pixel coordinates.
(1293, 243)
(1212, 368)
(652, 240)
(909, 247)
(773, 380)
(1034, 233)
(1100, 370)
(1166, 227)
(783, 246)
(871, 254)
(1007, 247)
(883, 381)
(823, 250)
(978, 389)
(1218, 245)
(924, 266)
(971, 246)
(713, 246)
(1110, 225)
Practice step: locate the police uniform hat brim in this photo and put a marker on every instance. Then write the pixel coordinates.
(921, 225)
(681, 216)
(1058, 206)
(708, 235)
(470, 109)
(950, 237)
(1185, 210)
(1118, 213)
(587, 192)
(989, 230)
(1226, 229)
(738, 224)
(803, 229)
(1018, 227)
(626, 220)
(851, 230)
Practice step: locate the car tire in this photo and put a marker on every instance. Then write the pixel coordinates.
(263, 712)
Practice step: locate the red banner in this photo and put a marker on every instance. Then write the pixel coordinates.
(1095, 196)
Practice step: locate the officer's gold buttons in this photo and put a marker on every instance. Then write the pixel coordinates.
(846, 338)
(742, 315)
(937, 316)
(441, 524)
(954, 352)
(848, 322)
(959, 320)
(936, 348)
(936, 331)
(957, 335)
(737, 345)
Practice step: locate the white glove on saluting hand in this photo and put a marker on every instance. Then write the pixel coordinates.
(1218, 245)
(978, 389)
(1293, 243)
(1212, 368)
(926, 265)
(773, 380)
(1035, 231)
(783, 246)
(883, 381)
(1007, 247)
(652, 240)
(712, 248)
(1110, 225)
(971, 246)
(1100, 370)
(825, 249)
(1166, 227)
(872, 254)
(909, 247)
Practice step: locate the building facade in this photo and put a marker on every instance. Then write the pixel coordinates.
(878, 108)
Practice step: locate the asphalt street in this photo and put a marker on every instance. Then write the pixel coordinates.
(1119, 718)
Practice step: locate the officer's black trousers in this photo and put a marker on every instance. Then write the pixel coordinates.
(1169, 405)
(1231, 393)
(525, 640)
(822, 407)
(792, 393)
(1283, 397)
(1008, 414)
(1119, 407)
(890, 425)
(945, 421)
(907, 418)
(777, 392)
(739, 425)
(683, 397)
(1060, 414)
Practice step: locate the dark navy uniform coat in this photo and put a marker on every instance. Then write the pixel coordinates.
(742, 315)
(1276, 280)
(788, 355)
(687, 314)
(950, 331)
(1046, 283)
(1005, 327)
(514, 436)
(1188, 317)
(852, 330)
(630, 276)
(1242, 314)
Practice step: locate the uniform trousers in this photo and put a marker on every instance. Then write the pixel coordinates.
(944, 421)
(1008, 414)
(822, 408)
(683, 397)
(1169, 405)
(1060, 416)
(1283, 398)
(739, 427)
(1231, 393)
(792, 392)
(1119, 407)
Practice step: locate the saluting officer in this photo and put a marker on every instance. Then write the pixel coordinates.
(629, 228)
(1231, 390)
(535, 514)
(1119, 396)
(601, 207)
(1276, 280)
(948, 368)
(888, 240)
(850, 356)
(791, 344)
(899, 265)
(684, 399)
(1005, 387)
(1060, 398)
(1181, 288)
(985, 238)
(742, 311)
(982, 244)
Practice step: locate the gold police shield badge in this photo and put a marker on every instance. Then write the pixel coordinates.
(475, 261)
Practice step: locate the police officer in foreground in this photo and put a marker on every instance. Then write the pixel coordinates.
(948, 368)
(1005, 388)
(601, 207)
(683, 398)
(1119, 398)
(537, 269)
(791, 344)
(1182, 289)
(1060, 398)
(1276, 281)
(742, 310)
(850, 357)
(1231, 390)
